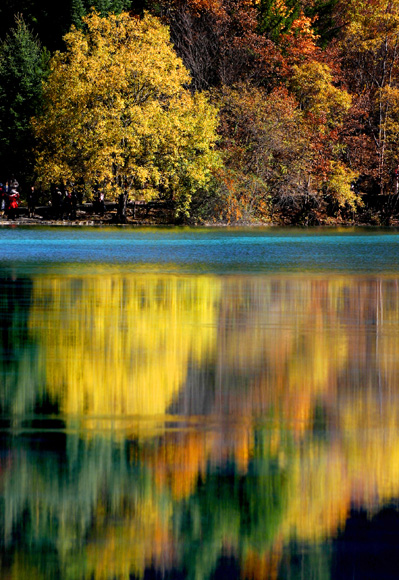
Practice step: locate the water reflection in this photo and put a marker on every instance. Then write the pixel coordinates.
(120, 346)
(194, 425)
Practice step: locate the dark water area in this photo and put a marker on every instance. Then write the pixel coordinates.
(199, 404)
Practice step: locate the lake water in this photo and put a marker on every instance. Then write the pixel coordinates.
(199, 404)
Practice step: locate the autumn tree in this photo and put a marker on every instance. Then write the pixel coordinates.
(220, 43)
(370, 56)
(117, 113)
(282, 152)
(265, 151)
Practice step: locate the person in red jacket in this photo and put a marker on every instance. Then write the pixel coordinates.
(12, 203)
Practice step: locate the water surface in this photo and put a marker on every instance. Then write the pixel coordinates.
(207, 250)
(199, 404)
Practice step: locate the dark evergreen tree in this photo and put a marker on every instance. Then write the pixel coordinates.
(23, 67)
(78, 10)
(82, 7)
(324, 14)
(51, 20)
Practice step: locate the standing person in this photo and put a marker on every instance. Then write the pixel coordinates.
(31, 202)
(12, 204)
(99, 203)
(67, 206)
(2, 199)
(74, 204)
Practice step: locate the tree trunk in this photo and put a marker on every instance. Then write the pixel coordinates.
(121, 211)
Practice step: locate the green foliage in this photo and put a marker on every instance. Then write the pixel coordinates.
(47, 19)
(78, 11)
(81, 8)
(275, 17)
(20, 380)
(242, 511)
(23, 66)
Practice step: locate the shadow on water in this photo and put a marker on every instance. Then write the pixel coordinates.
(368, 547)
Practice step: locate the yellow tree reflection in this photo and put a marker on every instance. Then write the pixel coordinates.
(119, 346)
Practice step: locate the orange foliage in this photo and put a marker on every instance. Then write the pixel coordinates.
(181, 459)
(299, 44)
(263, 566)
(179, 462)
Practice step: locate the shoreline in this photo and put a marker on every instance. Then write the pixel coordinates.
(164, 219)
(101, 223)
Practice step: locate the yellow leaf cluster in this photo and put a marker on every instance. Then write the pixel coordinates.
(339, 186)
(118, 113)
(313, 84)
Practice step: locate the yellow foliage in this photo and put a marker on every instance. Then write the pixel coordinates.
(321, 494)
(339, 185)
(121, 345)
(369, 424)
(312, 82)
(117, 112)
(370, 25)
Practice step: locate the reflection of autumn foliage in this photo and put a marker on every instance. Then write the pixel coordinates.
(260, 566)
(373, 450)
(120, 346)
(91, 509)
(127, 547)
(286, 349)
(182, 458)
(283, 413)
(179, 462)
(286, 341)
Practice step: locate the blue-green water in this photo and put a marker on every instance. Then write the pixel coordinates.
(208, 250)
(199, 403)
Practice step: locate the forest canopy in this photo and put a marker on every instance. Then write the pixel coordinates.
(268, 110)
